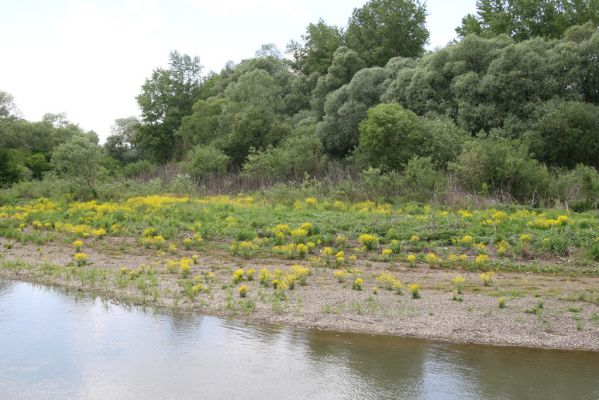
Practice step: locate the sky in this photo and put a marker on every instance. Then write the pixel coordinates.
(89, 58)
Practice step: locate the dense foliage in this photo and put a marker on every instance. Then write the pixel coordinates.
(511, 109)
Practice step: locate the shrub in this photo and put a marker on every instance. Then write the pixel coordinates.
(141, 167)
(298, 156)
(422, 181)
(206, 160)
(243, 291)
(369, 241)
(391, 136)
(502, 166)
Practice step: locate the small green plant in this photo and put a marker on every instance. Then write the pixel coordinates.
(415, 290)
(458, 283)
(264, 277)
(369, 241)
(357, 285)
(249, 274)
(243, 291)
(238, 275)
(501, 302)
(486, 278)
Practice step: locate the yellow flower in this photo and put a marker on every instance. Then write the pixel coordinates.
(243, 291)
(78, 244)
(238, 275)
(415, 290)
(411, 259)
(368, 240)
(481, 259)
(415, 239)
(486, 277)
(358, 284)
(80, 258)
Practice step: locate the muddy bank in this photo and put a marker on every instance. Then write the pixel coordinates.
(554, 312)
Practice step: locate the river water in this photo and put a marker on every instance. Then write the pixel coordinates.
(56, 346)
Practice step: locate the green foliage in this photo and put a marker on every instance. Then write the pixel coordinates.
(206, 160)
(38, 165)
(120, 145)
(346, 107)
(502, 166)
(315, 52)
(567, 134)
(392, 135)
(525, 19)
(138, 168)
(165, 99)
(383, 29)
(10, 172)
(298, 156)
(79, 160)
(422, 181)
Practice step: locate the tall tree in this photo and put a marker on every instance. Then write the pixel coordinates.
(165, 99)
(525, 19)
(7, 106)
(315, 51)
(383, 29)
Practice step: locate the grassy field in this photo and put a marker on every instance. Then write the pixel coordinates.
(357, 266)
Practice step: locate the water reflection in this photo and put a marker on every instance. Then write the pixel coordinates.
(55, 346)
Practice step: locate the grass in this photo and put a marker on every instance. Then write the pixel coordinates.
(510, 239)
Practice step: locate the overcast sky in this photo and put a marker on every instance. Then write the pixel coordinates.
(88, 58)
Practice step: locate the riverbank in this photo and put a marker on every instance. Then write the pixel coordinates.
(540, 310)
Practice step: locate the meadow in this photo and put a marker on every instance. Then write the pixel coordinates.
(403, 269)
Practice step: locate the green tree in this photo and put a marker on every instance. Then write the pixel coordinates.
(567, 134)
(79, 160)
(121, 144)
(166, 98)
(346, 63)
(315, 51)
(383, 29)
(206, 160)
(525, 19)
(10, 171)
(392, 135)
(8, 109)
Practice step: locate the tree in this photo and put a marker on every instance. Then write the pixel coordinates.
(120, 145)
(8, 109)
(315, 51)
(392, 135)
(346, 63)
(346, 107)
(166, 98)
(205, 160)
(79, 159)
(525, 19)
(10, 171)
(568, 134)
(383, 29)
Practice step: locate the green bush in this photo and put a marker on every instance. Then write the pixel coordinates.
(422, 181)
(298, 156)
(391, 136)
(206, 160)
(503, 167)
(138, 168)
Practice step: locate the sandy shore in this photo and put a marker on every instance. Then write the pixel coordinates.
(542, 311)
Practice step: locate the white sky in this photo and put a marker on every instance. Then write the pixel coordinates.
(89, 58)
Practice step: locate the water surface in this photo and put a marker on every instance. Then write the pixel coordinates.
(55, 346)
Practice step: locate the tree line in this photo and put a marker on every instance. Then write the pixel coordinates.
(511, 106)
